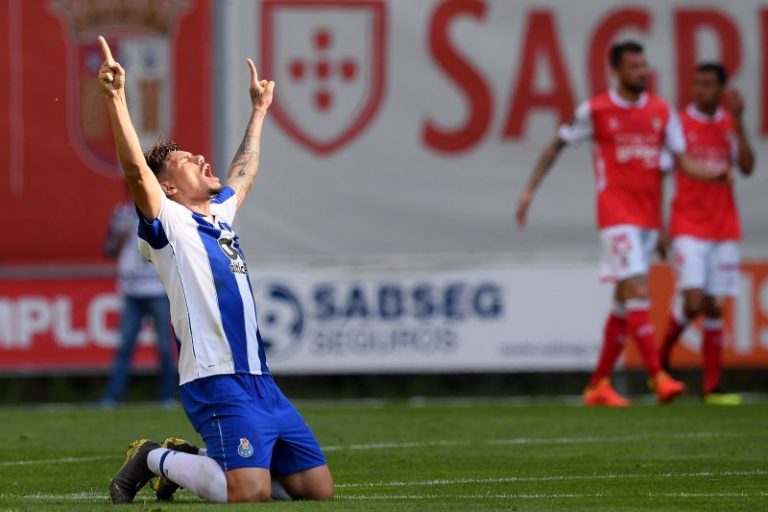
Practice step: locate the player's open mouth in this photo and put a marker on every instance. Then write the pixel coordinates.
(207, 172)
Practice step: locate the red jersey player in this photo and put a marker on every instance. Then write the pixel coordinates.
(629, 129)
(704, 223)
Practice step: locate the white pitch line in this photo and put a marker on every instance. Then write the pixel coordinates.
(529, 440)
(394, 446)
(553, 478)
(542, 496)
(63, 460)
(611, 439)
(524, 496)
(425, 444)
(73, 496)
(92, 496)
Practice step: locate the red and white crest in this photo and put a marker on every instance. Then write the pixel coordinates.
(140, 35)
(328, 59)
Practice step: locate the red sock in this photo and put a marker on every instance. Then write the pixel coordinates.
(640, 327)
(674, 330)
(712, 352)
(614, 335)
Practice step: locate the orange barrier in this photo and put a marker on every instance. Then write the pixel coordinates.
(746, 321)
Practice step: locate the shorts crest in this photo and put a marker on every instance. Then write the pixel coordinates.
(245, 449)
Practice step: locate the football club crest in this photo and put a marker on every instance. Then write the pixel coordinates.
(245, 449)
(328, 57)
(140, 35)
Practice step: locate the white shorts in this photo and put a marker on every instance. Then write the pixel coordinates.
(707, 265)
(626, 251)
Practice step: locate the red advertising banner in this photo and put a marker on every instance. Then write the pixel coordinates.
(59, 178)
(64, 324)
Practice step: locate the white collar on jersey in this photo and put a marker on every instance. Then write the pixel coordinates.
(700, 116)
(618, 100)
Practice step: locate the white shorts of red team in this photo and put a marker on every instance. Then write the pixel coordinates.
(627, 251)
(709, 265)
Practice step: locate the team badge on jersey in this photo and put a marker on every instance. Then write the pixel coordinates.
(245, 449)
(329, 59)
(140, 35)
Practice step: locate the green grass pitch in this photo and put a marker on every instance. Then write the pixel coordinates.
(430, 455)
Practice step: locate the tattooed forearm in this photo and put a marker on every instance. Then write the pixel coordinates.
(245, 164)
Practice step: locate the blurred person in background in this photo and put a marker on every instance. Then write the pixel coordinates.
(704, 223)
(143, 296)
(629, 128)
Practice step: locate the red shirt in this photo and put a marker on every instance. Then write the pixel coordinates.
(628, 142)
(703, 209)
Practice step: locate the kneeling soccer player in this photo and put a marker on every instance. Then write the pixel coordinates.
(252, 432)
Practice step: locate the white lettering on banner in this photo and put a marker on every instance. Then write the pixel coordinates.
(98, 309)
(66, 335)
(34, 317)
(24, 318)
(744, 321)
(6, 323)
(762, 336)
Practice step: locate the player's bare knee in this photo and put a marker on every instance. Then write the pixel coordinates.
(325, 495)
(692, 309)
(634, 288)
(712, 308)
(693, 303)
(322, 492)
(248, 494)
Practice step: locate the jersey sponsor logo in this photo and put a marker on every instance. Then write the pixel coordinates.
(227, 246)
(142, 46)
(245, 448)
(329, 58)
(645, 148)
(715, 160)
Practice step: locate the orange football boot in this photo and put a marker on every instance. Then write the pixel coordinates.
(603, 394)
(666, 387)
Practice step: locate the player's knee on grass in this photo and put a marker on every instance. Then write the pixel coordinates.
(321, 490)
(248, 485)
(312, 484)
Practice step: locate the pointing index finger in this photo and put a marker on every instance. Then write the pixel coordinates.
(254, 74)
(106, 51)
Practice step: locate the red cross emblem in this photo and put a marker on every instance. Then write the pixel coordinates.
(328, 59)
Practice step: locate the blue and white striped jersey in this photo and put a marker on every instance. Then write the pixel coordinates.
(203, 269)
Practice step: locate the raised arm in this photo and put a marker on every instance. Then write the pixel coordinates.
(745, 158)
(142, 183)
(546, 159)
(245, 164)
